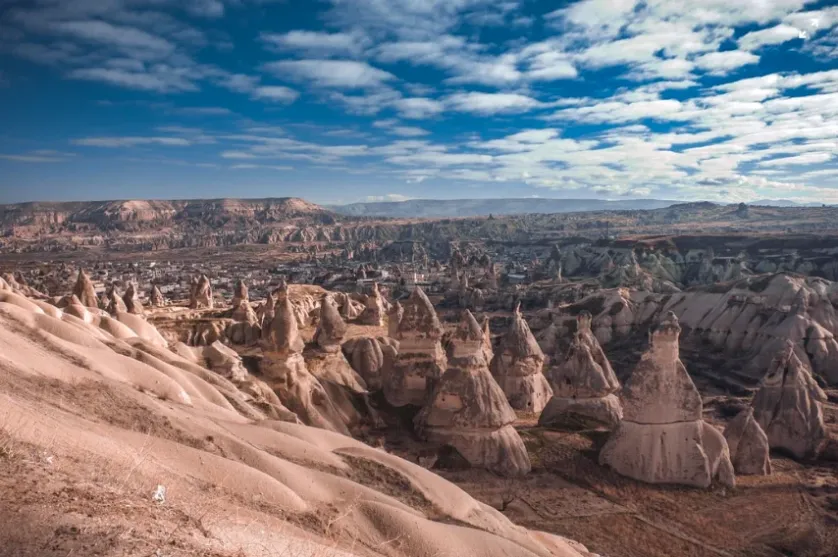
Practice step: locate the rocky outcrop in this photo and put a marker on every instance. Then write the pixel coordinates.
(156, 298)
(132, 300)
(371, 358)
(584, 385)
(662, 438)
(245, 328)
(394, 317)
(285, 371)
(84, 290)
(373, 313)
(468, 410)
(201, 295)
(240, 292)
(748, 445)
(331, 328)
(789, 405)
(421, 360)
(517, 365)
(115, 304)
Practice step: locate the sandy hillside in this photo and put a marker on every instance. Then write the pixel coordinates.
(112, 445)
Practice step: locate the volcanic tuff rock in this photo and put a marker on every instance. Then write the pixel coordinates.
(201, 295)
(84, 290)
(240, 292)
(469, 411)
(373, 313)
(752, 318)
(517, 368)
(421, 360)
(371, 358)
(662, 438)
(156, 298)
(583, 384)
(789, 405)
(331, 328)
(285, 369)
(394, 317)
(115, 303)
(132, 300)
(748, 445)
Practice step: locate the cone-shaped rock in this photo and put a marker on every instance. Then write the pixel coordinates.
(155, 297)
(469, 411)
(394, 317)
(84, 290)
(748, 445)
(662, 438)
(789, 405)
(115, 303)
(488, 351)
(201, 294)
(268, 311)
(285, 371)
(517, 368)
(371, 358)
(583, 384)
(421, 360)
(331, 329)
(373, 313)
(240, 292)
(132, 300)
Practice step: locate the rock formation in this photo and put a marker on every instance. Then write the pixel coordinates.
(285, 370)
(789, 405)
(373, 313)
(240, 292)
(394, 317)
(246, 328)
(517, 367)
(469, 411)
(421, 360)
(84, 290)
(201, 296)
(488, 351)
(662, 438)
(156, 298)
(132, 300)
(115, 304)
(331, 328)
(371, 358)
(748, 445)
(266, 315)
(583, 384)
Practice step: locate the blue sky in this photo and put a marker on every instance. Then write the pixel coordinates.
(339, 101)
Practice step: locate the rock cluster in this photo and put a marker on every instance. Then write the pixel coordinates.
(84, 290)
(584, 384)
(240, 292)
(201, 294)
(662, 438)
(789, 405)
(114, 303)
(421, 360)
(373, 313)
(469, 411)
(156, 298)
(372, 358)
(285, 370)
(748, 445)
(132, 300)
(394, 317)
(517, 368)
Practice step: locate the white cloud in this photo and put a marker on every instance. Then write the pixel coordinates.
(418, 108)
(723, 62)
(772, 36)
(318, 43)
(491, 103)
(260, 167)
(808, 158)
(137, 41)
(340, 74)
(160, 79)
(395, 197)
(38, 156)
(275, 93)
(131, 141)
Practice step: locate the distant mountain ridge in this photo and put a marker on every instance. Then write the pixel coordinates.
(439, 208)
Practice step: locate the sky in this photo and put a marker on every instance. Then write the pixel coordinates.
(339, 101)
